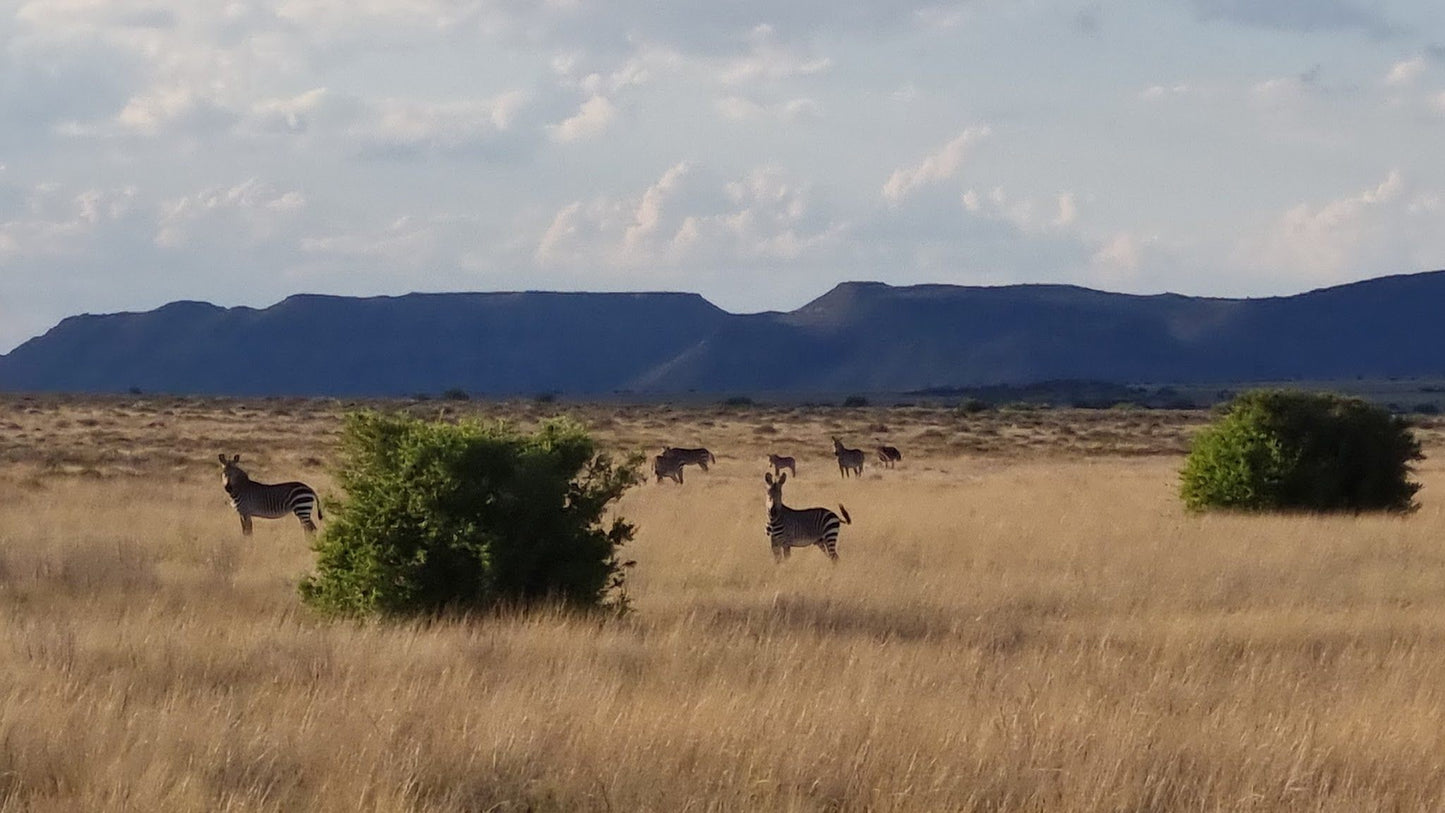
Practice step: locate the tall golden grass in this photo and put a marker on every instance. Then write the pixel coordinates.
(1029, 629)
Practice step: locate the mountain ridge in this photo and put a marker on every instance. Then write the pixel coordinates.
(857, 336)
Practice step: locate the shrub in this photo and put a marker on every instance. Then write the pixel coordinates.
(854, 401)
(1279, 449)
(972, 406)
(441, 517)
(456, 394)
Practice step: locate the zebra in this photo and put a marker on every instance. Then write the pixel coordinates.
(888, 455)
(779, 462)
(665, 465)
(848, 459)
(698, 457)
(790, 528)
(253, 499)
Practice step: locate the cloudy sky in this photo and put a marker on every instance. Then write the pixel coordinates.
(755, 152)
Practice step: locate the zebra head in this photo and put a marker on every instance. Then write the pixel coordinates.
(838, 446)
(232, 476)
(775, 490)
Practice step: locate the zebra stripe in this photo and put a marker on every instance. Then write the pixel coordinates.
(790, 528)
(888, 455)
(849, 460)
(669, 467)
(694, 457)
(265, 500)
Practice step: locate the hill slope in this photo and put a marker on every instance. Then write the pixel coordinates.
(857, 337)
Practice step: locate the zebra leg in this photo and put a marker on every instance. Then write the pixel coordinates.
(245, 525)
(306, 523)
(778, 554)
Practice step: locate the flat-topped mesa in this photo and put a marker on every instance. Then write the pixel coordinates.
(859, 337)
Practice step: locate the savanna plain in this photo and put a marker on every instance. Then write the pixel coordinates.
(1022, 618)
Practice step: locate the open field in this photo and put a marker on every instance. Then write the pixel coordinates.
(1022, 619)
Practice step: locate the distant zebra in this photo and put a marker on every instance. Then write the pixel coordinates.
(848, 459)
(888, 455)
(695, 457)
(790, 528)
(779, 462)
(665, 465)
(253, 499)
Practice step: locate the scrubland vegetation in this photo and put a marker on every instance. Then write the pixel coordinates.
(1024, 618)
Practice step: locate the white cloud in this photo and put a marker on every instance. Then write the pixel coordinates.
(738, 108)
(1383, 228)
(592, 119)
(1157, 92)
(1405, 72)
(249, 212)
(59, 224)
(686, 220)
(939, 166)
(1026, 215)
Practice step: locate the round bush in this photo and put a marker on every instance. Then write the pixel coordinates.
(1288, 450)
(442, 517)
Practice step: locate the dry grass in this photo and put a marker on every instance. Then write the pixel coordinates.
(1023, 619)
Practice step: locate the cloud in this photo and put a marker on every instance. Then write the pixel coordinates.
(739, 108)
(591, 119)
(249, 212)
(939, 166)
(55, 223)
(1381, 229)
(1405, 72)
(1027, 215)
(1305, 16)
(688, 220)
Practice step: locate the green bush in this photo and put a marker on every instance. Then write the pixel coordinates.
(1288, 450)
(441, 517)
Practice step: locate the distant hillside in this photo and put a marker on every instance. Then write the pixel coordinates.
(859, 337)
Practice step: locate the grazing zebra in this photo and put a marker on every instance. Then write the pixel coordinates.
(848, 459)
(790, 528)
(253, 499)
(697, 457)
(779, 462)
(888, 455)
(665, 465)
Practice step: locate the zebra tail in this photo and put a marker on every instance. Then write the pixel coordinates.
(847, 519)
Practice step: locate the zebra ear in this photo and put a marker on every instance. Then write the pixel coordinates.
(236, 459)
(223, 459)
(782, 477)
(768, 478)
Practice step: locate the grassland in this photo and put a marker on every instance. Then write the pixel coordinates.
(1023, 619)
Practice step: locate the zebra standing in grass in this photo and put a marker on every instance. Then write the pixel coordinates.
(253, 499)
(790, 528)
(888, 455)
(848, 459)
(696, 457)
(779, 462)
(665, 465)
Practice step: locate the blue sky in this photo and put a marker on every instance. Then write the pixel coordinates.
(755, 152)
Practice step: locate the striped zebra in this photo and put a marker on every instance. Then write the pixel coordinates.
(253, 499)
(665, 465)
(888, 455)
(694, 457)
(790, 528)
(848, 459)
(779, 462)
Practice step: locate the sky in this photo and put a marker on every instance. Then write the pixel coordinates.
(755, 152)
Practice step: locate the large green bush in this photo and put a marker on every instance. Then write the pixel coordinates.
(1289, 450)
(443, 517)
